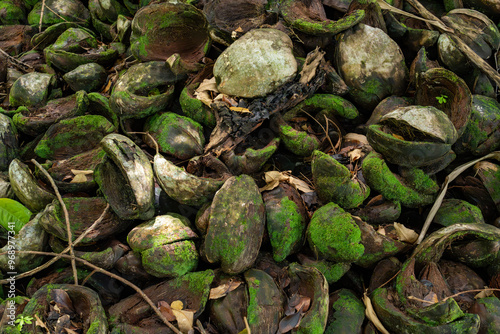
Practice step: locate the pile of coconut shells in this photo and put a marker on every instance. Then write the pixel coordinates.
(250, 166)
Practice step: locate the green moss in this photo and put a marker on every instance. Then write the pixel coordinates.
(286, 228)
(253, 309)
(456, 211)
(333, 234)
(94, 328)
(332, 105)
(11, 14)
(379, 177)
(196, 110)
(419, 181)
(334, 183)
(167, 262)
(332, 271)
(298, 142)
(348, 313)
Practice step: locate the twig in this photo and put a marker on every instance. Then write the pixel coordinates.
(66, 217)
(18, 62)
(467, 291)
(119, 278)
(49, 263)
(247, 325)
(322, 127)
(200, 327)
(88, 277)
(41, 17)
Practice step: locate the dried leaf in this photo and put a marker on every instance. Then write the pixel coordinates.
(452, 176)
(371, 315)
(299, 184)
(70, 331)
(351, 137)
(184, 319)
(80, 171)
(240, 110)
(405, 234)
(431, 298)
(203, 93)
(79, 178)
(485, 293)
(177, 305)
(238, 29)
(40, 323)
(398, 136)
(381, 230)
(224, 289)
(356, 154)
(166, 310)
(304, 304)
(290, 321)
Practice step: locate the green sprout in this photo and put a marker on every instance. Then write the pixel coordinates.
(23, 319)
(442, 99)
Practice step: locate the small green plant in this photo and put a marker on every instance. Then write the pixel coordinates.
(21, 320)
(442, 99)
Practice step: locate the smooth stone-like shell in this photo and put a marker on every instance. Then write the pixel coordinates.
(426, 120)
(193, 289)
(83, 211)
(126, 178)
(404, 152)
(176, 135)
(256, 64)
(9, 147)
(170, 260)
(143, 90)
(482, 133)
(31, 237)
(457, 211)
(286, 220)
(73, 136)
(251, 160)
(347, 313)
(236, 225)
(183, 187)
(311, 283)
(36, 122)
(31, 89)
(436, 83)
(371, 64)
(87, 77)
(265, 302)
(160, 231)
(62, 11)
(85, 301)
(161, 29)
(380, 178)
(26, 187)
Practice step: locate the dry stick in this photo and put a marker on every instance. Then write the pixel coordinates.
(326, 132)
(49, 263)
(200, 327)
(119, 278)
(15, 60)
(66, 217)
(452, 176)
(41, 17)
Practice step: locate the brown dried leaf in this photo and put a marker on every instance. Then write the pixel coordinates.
(184, 319)
(355, 154)
(485, 293)
(223, 289)
(405, 234)
(240, 110)
(166, 310)
(40, 323)
(371, 315)
(431, 298)
(203, 93)
(79, 178)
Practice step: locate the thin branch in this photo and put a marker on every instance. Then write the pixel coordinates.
(41, 17)
(322, 127)
(66, 217)
(18, 62)
(49, 263)
(119, 278)
(467, 291)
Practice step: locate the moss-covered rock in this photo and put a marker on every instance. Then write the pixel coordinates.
(334, 182)
(236, 225)
(333, 234)
(348, 313)
(380, 178)
(457, 211)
